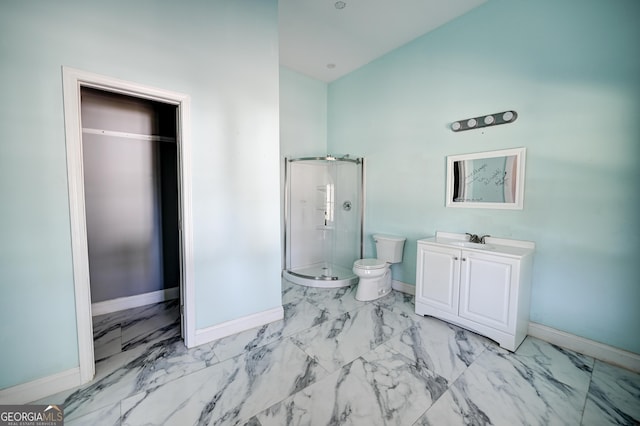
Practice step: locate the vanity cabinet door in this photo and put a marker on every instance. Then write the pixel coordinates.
(437, 277)
(488, 290)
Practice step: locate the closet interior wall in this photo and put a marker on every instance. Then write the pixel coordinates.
(131, 194)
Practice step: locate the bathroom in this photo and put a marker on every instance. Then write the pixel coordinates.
(574, 87)
(386, 112)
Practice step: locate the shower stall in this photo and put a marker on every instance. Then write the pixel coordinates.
(324, 199)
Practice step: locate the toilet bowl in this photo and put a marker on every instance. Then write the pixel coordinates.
(374, 275)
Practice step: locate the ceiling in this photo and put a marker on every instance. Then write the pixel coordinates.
(326, 39)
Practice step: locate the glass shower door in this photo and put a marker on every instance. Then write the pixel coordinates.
(323, 221)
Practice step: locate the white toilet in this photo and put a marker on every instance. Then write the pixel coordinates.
(375, 274)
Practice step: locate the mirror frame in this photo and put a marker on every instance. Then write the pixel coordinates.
(517, 204)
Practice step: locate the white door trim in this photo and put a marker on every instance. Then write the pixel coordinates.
(73, 80)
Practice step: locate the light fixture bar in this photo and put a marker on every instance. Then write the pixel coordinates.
(484, 121)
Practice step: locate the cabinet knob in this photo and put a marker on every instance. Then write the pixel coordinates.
(464, 259)
(455, 258)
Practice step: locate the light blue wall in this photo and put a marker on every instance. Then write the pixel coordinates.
(303, 123)
(224, 54)
(303, 115)
(571, 70)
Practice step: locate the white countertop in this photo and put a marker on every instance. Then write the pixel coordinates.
(503, 246)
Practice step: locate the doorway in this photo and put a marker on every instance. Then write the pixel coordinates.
(129, 152)
(162, 264)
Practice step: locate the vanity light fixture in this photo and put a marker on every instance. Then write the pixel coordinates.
(484, 121)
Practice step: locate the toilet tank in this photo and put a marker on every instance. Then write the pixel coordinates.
(389, 248)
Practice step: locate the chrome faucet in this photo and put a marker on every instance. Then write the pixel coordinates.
(473, 238)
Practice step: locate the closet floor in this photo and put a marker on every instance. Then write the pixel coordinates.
(125, 330)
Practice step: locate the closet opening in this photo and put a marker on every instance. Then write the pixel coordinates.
(129, 175)
(130, 163)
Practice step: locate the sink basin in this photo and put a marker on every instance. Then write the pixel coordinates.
(468, 244)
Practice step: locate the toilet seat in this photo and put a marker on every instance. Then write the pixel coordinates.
(369, 264)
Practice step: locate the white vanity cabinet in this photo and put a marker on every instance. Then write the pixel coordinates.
(482, 287)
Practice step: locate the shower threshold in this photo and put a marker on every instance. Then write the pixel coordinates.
(322, 275)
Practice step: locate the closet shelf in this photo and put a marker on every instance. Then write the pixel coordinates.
(153, 138)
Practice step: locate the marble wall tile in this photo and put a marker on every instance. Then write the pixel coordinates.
(614, 397)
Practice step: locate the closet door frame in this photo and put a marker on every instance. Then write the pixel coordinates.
(73, 80)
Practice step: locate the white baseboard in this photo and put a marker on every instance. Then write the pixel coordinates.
(403, 287)
(37, 389)
(606, 353)
(228, 328)
(122, 303)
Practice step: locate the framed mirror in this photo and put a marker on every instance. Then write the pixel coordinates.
(487, 180)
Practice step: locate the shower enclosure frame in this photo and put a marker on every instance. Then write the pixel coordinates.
(322, 281)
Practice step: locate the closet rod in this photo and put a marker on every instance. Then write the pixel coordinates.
(153, 138)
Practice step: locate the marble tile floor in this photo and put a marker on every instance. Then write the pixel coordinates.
(333, 361)
(120, 331)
